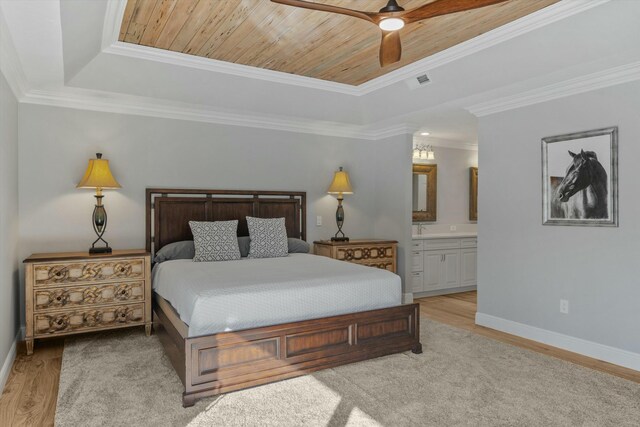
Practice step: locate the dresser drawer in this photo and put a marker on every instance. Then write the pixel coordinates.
(86, 319)
(365, 253)
(436, 244)
(88, 272)
(370, 252)
(82, 295)
(416, 245)
(417, 281)
(417, 261)
(385, 264)
(470, 243)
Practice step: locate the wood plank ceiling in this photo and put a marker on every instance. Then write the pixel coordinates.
(308, 43)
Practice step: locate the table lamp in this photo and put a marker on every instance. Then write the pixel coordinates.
(99, 177)
(340, 185)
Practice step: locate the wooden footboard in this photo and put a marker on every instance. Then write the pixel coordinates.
(219, 363)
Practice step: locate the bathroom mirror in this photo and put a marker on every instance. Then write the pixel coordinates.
(473, 194)
(425, 192)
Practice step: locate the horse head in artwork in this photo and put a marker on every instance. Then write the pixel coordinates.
(585, 179)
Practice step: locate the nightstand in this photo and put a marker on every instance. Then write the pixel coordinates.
(370, 252)
(74, 292)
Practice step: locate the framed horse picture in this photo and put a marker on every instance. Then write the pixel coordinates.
(580, 178)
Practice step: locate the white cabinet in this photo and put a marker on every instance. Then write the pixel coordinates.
(443, 263)
(450, 274)
(442, 269)
(417, 261)
(416, 281)
(468, 266)
(433, 270)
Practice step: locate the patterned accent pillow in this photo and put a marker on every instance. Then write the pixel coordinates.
(268, 237)
(215, 241)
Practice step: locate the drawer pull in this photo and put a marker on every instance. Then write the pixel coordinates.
(58, 273)
(58, 297)
(122, 314)
(122, 269)
(123, 292)
(58, 323)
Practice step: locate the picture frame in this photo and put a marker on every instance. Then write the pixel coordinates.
(580, 178)
(425, 176)
(473, 194)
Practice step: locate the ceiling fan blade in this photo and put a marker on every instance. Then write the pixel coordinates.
(444, 7)
(328, 8)
(390, 48)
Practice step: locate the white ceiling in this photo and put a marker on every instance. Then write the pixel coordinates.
(68, 53)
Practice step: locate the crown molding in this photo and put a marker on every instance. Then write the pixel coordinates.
(91, 100)
(528, 23)
(390, 131)
(533, 21)
(10, 62)
(184, 60)
(444, 143)
(601, 79)
(112, 22)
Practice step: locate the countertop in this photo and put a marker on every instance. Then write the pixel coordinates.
(452, 235)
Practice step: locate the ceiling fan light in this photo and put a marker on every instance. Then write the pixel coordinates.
(391, 24)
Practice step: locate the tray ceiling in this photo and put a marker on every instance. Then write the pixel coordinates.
(308, 43)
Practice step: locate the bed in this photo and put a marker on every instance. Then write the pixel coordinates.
(230, 325)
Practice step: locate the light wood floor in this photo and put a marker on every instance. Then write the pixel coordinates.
(29, 397)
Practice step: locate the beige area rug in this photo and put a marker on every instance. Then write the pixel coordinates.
(123, 378)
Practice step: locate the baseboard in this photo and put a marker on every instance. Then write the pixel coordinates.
(446, 291)
(591, 349)
(8, 361)
(407, 298)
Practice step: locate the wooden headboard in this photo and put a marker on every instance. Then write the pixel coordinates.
(169, 210)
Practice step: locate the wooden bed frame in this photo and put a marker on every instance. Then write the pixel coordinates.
(219, 363)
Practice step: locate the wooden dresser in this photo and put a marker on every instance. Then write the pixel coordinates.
(74, 292)
(374, 253)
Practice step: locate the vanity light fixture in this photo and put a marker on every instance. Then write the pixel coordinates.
(423, 152)
(430, 154)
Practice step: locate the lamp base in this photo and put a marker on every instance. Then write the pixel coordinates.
(103, 250)
(340, 239)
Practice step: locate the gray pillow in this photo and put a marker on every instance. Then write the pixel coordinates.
(268, 237)
(297, 246)
(176, 250)
(187, 250)
(215, 241)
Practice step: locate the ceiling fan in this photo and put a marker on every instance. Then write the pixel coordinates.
(392, 18)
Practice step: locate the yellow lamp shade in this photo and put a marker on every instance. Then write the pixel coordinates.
(98, 175)
(340, 184)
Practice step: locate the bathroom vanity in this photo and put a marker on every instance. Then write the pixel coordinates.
(443, 263)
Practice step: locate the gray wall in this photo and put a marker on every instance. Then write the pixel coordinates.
(453, 183)
(55, 144)
(525, 268)
(8, 218)
(393, 199)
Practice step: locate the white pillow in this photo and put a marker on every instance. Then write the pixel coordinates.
(268, 237)
(215, 241)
